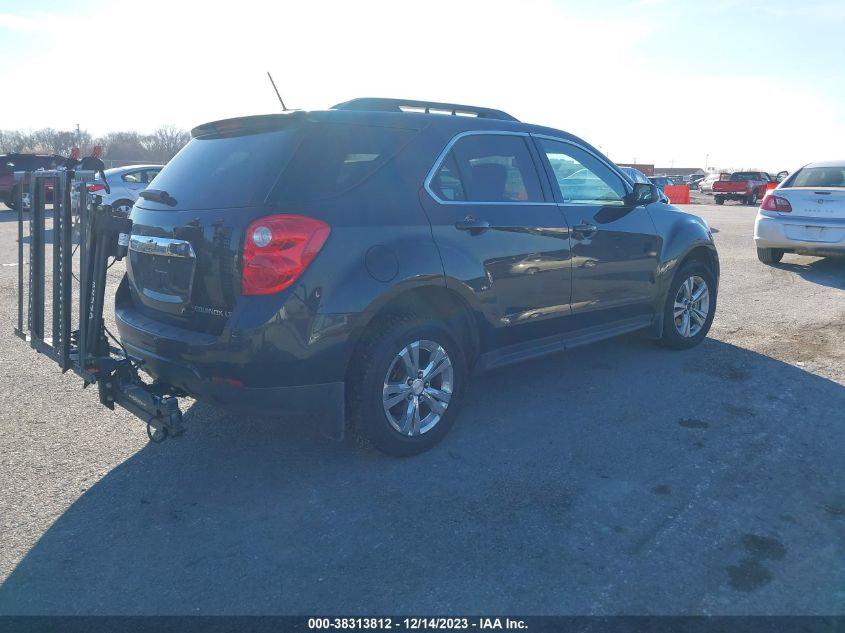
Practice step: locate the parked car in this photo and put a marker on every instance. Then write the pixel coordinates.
(747, 187)
(661, 181)
(10, 163)
(637, 176)
(805, 214)
(293, 262)
(125, 183)
(705, 185)
(693, 182)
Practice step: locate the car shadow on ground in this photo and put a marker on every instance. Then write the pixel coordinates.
(619, 478)
(825, 271)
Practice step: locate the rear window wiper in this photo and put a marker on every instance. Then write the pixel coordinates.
(158, 195)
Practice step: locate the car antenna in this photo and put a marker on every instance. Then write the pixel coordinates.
(284, 107)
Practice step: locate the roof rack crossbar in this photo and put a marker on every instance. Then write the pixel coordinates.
(370, 104)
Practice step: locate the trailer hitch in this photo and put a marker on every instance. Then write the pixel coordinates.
(103, 235)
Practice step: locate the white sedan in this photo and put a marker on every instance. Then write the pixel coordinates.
(805, 214)
(125, 184)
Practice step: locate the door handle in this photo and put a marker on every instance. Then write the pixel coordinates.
(585, 228)
(473, 225)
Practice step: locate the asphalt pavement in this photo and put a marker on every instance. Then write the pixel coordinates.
(621, 478)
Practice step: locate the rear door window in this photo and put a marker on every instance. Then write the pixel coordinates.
(134, 177)
(333, 158)
(488, 168)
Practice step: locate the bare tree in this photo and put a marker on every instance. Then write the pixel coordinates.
(127, 146)
(165, 142)
(46, 140)
(14, 141)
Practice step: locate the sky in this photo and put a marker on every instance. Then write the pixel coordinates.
(724, 83)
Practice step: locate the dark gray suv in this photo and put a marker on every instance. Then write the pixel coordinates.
(359, 263)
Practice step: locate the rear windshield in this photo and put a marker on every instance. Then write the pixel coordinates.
(333, 158)
(819, 177)
(225, 171)
(745, 175)
(308, 162)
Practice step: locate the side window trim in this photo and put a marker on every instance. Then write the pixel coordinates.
(445, 153)
(550, 172)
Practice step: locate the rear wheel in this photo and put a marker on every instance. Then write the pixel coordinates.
(752, 199)
(12, 203)
(770, 255)
(123, 207)
(690, 306)
(720, 200)
(405, 384)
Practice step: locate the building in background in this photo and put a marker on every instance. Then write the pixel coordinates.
(648, 170)
(679, 172)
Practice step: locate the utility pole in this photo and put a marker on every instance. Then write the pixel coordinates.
(706, 161)
(78, 135)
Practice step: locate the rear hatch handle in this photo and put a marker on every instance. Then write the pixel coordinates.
(158, 195)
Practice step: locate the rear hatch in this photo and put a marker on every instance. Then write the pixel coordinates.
(183, 263)
(185, 252)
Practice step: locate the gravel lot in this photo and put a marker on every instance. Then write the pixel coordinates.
(617, 479)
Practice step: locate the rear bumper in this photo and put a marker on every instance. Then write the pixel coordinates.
(326, 402)
(732, 194)
(791, 234)
(279, 367)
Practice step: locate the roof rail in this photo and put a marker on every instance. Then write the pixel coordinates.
(429, 107)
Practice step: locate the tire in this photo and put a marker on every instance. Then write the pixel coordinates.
(12, 198)
(125, 205)
(720, 200)
(689, 328)
(380, 360)
(770, 255)
(752, 199)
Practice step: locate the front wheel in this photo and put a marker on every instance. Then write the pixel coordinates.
(690, 307)
(405, 385)
(770, 255)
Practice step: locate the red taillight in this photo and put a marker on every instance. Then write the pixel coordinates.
(278, 249)
(775, 203)
(95, 188)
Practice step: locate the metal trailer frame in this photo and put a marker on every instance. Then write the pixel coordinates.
(102, 234)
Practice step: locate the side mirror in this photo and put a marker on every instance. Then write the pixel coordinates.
(644, 193)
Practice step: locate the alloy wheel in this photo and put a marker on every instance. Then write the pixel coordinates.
(692, 306)
(418, 387)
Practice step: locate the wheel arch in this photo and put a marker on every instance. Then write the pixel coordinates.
(435, 301)
(697, 249)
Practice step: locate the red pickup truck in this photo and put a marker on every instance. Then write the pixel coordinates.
(746, 186)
